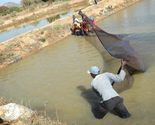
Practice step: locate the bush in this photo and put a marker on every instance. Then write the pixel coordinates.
(5, 10)
(42, 40)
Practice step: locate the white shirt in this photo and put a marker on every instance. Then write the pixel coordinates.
(76, 20)
(102, 83)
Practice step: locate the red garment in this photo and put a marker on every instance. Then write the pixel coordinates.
(84, 26)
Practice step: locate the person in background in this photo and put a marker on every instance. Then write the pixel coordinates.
(76, 27)
(75, 20)
(85, 26)
(102, 84)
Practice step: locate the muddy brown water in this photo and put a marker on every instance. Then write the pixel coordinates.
(55, 78)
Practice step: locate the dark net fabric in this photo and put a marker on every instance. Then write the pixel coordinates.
(118, 48)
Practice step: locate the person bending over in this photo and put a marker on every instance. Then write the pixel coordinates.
(102, 84)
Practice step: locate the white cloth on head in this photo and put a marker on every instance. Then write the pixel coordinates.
(102, 83)
(76, 20)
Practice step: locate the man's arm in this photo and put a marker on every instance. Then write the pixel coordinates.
(118, 77)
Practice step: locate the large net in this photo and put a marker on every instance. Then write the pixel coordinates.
(117, 47)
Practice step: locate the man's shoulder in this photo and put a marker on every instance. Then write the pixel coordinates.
(104, 74)
(100, 76)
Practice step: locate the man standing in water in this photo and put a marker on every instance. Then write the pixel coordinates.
(102, 84)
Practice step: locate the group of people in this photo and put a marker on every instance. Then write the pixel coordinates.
(81, 28)
(102, 85)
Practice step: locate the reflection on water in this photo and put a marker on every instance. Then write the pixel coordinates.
(51, 79)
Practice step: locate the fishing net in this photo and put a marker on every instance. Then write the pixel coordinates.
(117, 47)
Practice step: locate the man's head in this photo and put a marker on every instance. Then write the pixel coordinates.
(94, 71)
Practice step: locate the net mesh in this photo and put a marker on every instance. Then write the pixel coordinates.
(117, 47)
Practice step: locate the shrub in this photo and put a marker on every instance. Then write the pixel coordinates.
(53, 18)
(42, 40)
(5, 10)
